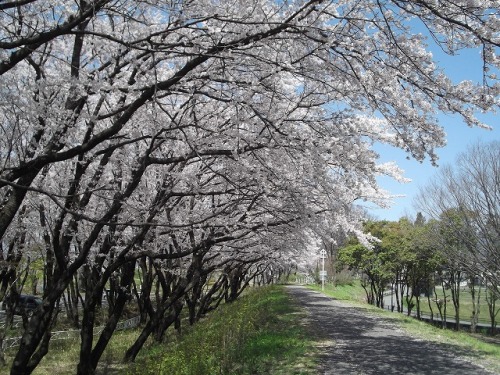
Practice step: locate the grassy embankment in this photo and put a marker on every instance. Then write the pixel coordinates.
(258, 334)
(481, 349)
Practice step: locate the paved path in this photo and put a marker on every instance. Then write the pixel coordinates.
(356, 341)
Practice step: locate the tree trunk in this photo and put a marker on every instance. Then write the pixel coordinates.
(430, 306)
(15, 200)
(88, 361)
(27, 356)
(475, 296)
(154, 322)
(491, 300)
(455, 296)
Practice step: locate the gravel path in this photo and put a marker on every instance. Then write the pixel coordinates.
(355, 341)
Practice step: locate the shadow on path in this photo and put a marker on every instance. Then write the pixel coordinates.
(357, 342)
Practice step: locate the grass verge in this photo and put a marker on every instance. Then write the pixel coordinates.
(348, 292)
(258, 334)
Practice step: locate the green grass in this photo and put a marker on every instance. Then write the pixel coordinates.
(63, 356)
(465, 306)
(348, 292)
(258, 334)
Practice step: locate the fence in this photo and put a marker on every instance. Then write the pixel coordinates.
(449, 321)
(11, 342)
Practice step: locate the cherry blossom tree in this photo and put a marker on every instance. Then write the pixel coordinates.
(171, 131)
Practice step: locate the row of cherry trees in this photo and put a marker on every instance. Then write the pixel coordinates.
(200, 141)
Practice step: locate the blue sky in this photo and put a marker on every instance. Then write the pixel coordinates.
(459, 137)
(465, 66)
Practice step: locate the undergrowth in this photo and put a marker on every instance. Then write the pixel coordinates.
(258, 334)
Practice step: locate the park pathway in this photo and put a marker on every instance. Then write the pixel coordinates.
(355, 341)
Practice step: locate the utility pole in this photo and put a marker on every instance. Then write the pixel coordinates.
(323, 272)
